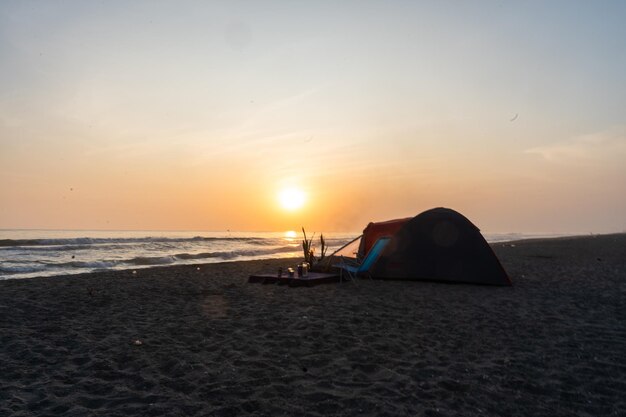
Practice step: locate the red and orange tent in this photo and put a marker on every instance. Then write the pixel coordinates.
(437, 245)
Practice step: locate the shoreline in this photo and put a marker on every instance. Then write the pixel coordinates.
(212, 344)
(494, 245)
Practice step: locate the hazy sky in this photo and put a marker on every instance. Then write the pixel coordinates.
(194, 115)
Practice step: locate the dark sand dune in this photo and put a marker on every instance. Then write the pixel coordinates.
(185, 342)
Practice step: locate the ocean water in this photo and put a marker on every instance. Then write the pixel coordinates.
(37, 253)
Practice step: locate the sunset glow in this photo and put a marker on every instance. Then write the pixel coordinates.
(291, 198)
(329, 115)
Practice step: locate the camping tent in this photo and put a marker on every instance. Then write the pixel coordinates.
(375, 231)
(360, 246)
(440, 245)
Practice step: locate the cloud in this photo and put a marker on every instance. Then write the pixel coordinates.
(586, 148)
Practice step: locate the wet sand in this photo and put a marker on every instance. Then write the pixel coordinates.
(179, 341)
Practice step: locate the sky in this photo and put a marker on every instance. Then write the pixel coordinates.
(196, 115)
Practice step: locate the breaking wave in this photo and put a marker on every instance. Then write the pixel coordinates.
(48, 256)
(83, 242)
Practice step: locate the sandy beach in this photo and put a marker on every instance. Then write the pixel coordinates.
(199, 340)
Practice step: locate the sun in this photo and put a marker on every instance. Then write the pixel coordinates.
(291, 198)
